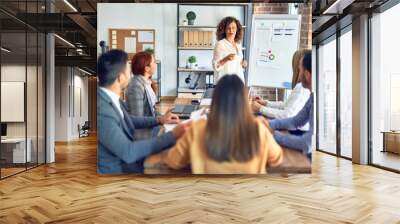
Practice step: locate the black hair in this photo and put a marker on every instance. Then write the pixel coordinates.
(110, 65)
(307, 61)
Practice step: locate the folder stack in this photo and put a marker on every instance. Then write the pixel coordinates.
(186, 38)
(198, 39)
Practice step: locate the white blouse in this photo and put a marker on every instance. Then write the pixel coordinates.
(295, 102)
(150, 91)
(222, 49)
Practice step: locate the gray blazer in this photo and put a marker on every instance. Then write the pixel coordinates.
(118, 151)
(138, 101)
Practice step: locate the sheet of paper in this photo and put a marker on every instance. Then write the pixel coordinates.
(114, 42)
(198, 114)
(114, 32)
(130, 45)
(133, 33)
(114, 37)
(205, 102)
(169, 127)
(146, 36)
(114, 46)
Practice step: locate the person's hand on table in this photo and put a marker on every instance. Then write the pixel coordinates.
(255, 106)
(261, 101)
(181, 128)
(168, 118)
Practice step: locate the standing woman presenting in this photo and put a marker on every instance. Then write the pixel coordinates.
(228, 55)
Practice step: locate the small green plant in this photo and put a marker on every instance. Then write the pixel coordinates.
(191, 15)
(192, 59)
(149, 50)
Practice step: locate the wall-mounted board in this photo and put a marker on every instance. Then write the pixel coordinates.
(132, 40)
(274, 40)
(12, 101)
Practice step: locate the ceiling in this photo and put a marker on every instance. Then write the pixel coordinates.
(328, 16)
(72, 20)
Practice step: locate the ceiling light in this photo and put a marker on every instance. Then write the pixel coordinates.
(338, 6)
(70, 5)
(5, 50)
(64, 40)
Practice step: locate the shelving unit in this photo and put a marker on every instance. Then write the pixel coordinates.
(194, 70)
(206, 72)
(199, 27)
(200, 48)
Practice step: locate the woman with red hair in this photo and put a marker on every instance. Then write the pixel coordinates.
(141, 98)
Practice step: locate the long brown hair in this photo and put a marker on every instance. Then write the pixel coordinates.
(297, 56)
(232, 131)
(221, 28)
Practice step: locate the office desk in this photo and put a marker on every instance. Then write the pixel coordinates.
(391, 141)
(13, 150)
(294, 162)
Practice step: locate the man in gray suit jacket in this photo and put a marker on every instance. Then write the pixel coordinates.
(117, 150)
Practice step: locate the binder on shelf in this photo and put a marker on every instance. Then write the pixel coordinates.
(210, 38)
(205, 38)
(201, 34)
(185, 38)
(190, 39)
(195, 38)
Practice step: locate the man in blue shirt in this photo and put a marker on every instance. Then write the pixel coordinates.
(118, 151)
(303, 142)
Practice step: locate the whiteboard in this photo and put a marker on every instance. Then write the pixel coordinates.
(12, 101)
(274, 40)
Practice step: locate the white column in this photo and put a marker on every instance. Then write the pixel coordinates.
(50, 92)
(50, 100)
(360, 90)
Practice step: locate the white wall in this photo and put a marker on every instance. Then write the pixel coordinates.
(80, 83)
(33, 126)
(61, 103)
(68, 82)
(17, 73)
(161, 17)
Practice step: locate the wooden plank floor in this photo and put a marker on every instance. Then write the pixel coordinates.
(70, 191)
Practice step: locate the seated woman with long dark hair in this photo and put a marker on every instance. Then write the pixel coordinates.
(231, 141)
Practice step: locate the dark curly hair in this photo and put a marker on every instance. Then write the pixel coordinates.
(221, 34)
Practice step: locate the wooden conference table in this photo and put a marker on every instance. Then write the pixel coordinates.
(294, 162)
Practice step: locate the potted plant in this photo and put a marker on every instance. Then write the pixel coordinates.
(192, 61)
(149, 50)
(191, 16)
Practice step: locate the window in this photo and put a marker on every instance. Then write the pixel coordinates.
(327, 97)
(22, 65)
(385, 89)
(346, 94)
